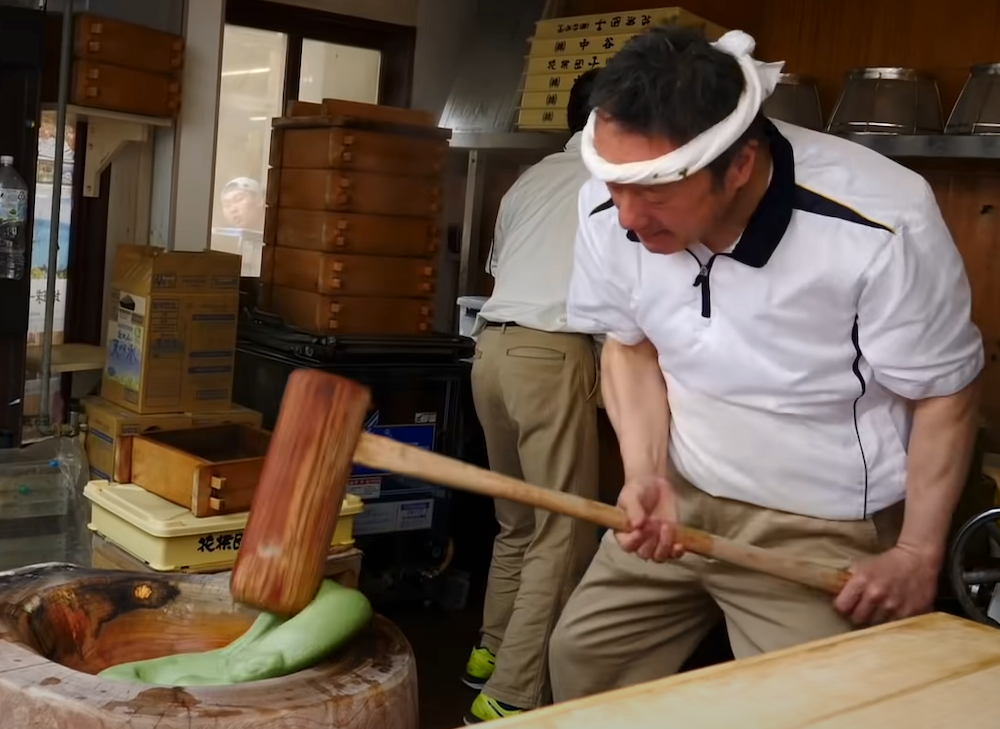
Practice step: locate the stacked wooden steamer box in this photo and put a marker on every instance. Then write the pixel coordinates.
(353, 224)
(119, 67)
(564, 48)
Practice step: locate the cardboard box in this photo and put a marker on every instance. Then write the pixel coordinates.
(108, 425)
(234, 414)
(171, 337)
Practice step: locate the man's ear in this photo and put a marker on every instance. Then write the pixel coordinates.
(742, 165)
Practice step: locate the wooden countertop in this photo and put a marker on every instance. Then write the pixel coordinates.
(931, 672)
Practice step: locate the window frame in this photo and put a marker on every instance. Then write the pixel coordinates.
(395, 42)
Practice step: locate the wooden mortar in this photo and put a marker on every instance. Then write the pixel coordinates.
(62, 624)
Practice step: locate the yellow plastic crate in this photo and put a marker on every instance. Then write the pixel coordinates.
(169, 538)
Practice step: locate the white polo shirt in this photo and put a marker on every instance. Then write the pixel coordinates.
(790, 359)
(531, 259)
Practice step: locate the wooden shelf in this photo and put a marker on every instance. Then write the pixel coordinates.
(86, 113)
(109, 133)
(67, 358)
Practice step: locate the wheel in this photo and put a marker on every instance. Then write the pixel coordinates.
(974, 565)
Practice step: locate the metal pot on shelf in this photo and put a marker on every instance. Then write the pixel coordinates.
(977, 110)
(795, 100)
(887, 100)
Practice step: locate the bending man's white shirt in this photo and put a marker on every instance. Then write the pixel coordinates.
(789, 369)
(530, 264)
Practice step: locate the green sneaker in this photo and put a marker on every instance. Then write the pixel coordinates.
(486, 709)
(479, 668)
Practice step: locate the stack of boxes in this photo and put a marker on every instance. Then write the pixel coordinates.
(118, 66)
(352, 232)
(174, 461)
(564, 48)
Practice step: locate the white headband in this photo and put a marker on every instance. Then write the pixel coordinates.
(761, 78)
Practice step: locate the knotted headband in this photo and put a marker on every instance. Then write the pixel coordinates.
(760, 80)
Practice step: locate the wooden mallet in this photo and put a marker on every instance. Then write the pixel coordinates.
(317, 438)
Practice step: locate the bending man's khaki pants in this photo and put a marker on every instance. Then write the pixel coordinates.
(535, 395)
(632, 621)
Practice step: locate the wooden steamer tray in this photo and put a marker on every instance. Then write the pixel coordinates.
(211, 469)
(352, 230)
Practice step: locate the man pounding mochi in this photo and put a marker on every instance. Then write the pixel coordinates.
(790, 356)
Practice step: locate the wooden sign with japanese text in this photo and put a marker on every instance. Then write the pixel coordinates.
(564, 48)
(611, 22)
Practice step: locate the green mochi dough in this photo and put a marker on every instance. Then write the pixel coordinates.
(271, 648)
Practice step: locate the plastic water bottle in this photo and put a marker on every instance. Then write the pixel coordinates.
(13, 221)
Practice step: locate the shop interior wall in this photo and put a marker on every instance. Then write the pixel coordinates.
(824, 40)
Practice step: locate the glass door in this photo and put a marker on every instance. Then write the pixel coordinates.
(252, 92)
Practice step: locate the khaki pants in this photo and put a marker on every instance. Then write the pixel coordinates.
(632, 621)
(535, 395)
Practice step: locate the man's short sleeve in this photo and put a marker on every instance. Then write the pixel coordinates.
(600, 291)
(914, 313)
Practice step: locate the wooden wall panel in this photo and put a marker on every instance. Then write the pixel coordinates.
(969, 196)
(825, 40)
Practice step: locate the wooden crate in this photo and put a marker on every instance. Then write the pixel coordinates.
(212, 470)
(355, 192)
(124, 90)
(364, 315)
(351, 149)
(105, 40)
(334, 273)
(348, 233)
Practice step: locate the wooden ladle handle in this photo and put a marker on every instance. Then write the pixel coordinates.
(385, 454)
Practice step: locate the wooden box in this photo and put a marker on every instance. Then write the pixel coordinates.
(351, 234)
(361, 111)
(333, 273)
(351, 149)
(105, 40)
(356, 192)
(365, 315)
(125, 90)
(212, 470)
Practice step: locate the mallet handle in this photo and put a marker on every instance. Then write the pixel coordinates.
(385, 454)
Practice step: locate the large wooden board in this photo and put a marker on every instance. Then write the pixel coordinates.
(931, 672)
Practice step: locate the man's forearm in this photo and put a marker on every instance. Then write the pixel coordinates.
(941, 442)
(635, 398)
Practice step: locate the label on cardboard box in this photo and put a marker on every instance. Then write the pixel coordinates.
(126, 336)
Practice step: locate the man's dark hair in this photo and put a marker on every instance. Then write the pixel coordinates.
(670, 82)
(579, 107)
